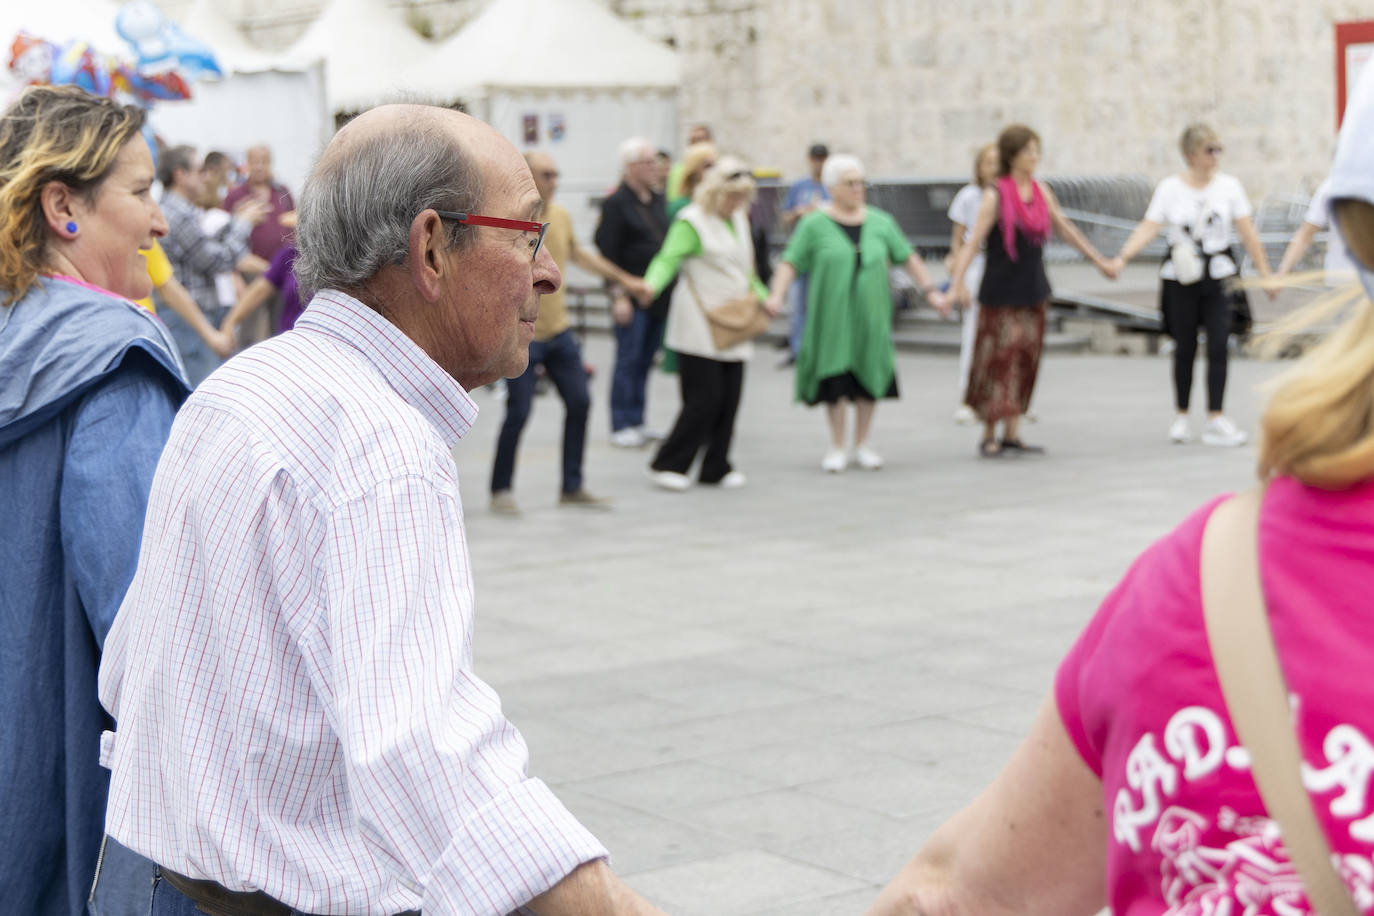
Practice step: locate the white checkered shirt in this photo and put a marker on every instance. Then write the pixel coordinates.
(291, 669)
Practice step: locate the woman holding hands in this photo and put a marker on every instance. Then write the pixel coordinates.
(1198, 209)
(845, 247)
(1015, 218)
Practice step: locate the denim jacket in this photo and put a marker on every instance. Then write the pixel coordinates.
(89, 384)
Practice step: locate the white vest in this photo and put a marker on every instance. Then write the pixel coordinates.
(720, 273)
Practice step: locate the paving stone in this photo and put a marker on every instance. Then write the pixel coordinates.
(740, 883)
(764, 700)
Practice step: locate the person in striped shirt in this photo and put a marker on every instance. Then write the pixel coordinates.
(300, 727)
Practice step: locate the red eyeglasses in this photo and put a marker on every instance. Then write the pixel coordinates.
(520, 225)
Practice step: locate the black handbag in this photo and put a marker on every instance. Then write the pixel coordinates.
(1242, 319)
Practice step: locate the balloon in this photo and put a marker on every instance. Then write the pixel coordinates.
(31, 58)
(35, 60)
(160, 43)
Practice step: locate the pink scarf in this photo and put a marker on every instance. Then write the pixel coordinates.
(1032, 219)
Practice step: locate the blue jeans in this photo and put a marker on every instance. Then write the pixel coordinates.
(124, 883)
(796, 314)
(635, 346)
(562, 360)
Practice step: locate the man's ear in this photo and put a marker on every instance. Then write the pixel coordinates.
(59, 204)
(425, 259)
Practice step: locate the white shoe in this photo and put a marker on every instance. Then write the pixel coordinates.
(629, 437)
(733, 481)
(867, 459)
(650, 435)
(671, 480)
(1221, 431)
(1178, 430)
(965, 415)
(835, 461)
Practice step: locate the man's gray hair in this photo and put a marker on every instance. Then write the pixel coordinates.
(176, 159)
(359, 202)
(634, 149)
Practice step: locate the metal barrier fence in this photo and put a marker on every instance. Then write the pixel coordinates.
(1105, 207)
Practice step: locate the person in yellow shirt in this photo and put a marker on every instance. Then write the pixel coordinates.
(176, 298)
(556, 349)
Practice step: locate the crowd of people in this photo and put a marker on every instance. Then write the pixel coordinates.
(239, 606)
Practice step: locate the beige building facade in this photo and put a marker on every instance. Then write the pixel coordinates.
(915, 86)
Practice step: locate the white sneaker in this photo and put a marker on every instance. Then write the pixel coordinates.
(835, 461)
(629, 437)
(867, 459)
(733, 481)
(1178, 430)
(650, 435)
(1221, 431)
(670, 480)
(965, 415)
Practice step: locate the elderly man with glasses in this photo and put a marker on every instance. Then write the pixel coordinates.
(300, 728)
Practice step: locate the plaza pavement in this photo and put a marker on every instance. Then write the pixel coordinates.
(762, 701)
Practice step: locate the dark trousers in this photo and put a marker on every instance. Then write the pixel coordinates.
(635, 346)
(562, 361)
(1186, 308)
(710, 399)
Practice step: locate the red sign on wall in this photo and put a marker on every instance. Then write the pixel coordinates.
(1354, 48)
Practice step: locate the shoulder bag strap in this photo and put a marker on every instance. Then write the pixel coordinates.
(1247, 666)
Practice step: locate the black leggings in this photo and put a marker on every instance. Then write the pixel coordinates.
(1207, 304)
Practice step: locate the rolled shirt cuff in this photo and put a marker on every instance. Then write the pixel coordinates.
(519, 845)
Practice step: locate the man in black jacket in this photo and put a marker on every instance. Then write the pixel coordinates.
(633, 223)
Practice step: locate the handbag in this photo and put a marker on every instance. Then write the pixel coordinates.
(733, 321)
(1190, 261)
(1188, 264)
(1256, 697)
(1242, 318)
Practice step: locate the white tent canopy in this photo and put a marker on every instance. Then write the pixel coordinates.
(544, 44)
(207, 22)
(366, 45)
(566, 77)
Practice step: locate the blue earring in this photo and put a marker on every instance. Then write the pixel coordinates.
(71, 227)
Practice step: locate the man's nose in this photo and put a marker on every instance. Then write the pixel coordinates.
(547, 277)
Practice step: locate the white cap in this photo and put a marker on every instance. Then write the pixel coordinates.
(1352, 170)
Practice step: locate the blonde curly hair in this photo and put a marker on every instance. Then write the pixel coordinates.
(51, 133)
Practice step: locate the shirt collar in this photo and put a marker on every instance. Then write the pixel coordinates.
(407, 368)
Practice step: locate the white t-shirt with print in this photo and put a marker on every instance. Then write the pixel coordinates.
(1179, 207)
(1338, 265)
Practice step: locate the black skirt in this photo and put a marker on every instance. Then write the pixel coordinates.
(847, 387)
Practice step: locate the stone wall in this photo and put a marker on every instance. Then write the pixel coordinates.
(915, 86)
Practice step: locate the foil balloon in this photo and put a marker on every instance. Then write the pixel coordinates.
(160, 44)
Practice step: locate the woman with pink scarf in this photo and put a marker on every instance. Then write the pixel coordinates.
(1015, 219)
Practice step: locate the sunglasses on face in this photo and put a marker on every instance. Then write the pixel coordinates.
(520, 225)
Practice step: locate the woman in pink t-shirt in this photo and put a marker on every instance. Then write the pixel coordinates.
(1131, 790)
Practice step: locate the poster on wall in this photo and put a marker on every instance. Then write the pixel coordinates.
(1354, 48)
(558, 128)
(531, 122)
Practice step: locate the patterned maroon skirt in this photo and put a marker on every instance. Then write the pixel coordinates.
(1006, 359)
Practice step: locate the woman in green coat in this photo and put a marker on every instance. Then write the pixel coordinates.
(846, 249)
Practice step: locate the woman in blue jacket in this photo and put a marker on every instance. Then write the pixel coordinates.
(89, 383)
